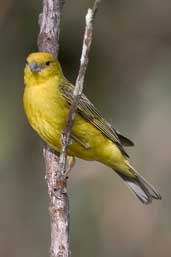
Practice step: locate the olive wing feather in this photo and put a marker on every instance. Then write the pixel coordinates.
(87, 110)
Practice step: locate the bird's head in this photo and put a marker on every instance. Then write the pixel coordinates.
(42, 66)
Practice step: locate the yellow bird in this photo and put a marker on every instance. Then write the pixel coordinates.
(47, 98)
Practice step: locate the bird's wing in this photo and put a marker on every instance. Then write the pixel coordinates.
(87, 110)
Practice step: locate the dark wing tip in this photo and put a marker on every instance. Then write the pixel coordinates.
(124, 140)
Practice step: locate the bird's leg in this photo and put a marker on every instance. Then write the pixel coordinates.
(71, 162)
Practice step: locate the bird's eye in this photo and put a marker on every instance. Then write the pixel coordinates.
(47, 63)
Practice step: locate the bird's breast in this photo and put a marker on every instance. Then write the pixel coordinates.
(46, 111)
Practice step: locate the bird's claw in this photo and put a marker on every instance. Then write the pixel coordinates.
(70, 165)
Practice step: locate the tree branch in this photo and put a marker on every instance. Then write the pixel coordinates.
(48, 41)
(49, 22)
(87, 40)
(55, 166)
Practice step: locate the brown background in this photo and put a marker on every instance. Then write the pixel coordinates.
(128, 79)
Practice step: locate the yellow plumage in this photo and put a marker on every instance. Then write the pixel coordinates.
(47, 98)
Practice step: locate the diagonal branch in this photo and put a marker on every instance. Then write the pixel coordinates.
(87, 40)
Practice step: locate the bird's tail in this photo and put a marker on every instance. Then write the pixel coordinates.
(142, 189)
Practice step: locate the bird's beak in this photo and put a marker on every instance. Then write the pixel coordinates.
(34, 67)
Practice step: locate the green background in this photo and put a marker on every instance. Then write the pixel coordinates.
(128, 79)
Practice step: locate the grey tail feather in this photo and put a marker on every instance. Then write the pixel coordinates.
(143, 190)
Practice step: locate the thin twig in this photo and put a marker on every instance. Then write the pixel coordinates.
(87, 40)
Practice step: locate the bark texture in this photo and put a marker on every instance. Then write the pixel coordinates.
(48, 41)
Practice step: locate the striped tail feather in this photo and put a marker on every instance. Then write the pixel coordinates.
(142, 189)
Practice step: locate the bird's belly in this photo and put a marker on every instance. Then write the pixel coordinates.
(50, 127)
(89, 138)
(97, 146)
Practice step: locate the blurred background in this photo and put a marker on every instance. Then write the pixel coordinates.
(128, 79)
